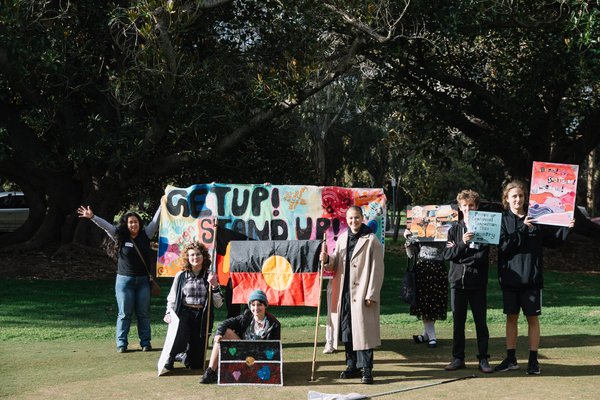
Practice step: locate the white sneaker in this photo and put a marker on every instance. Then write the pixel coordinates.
(328, 349)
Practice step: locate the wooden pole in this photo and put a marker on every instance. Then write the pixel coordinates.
(314, 358)
(214, 263)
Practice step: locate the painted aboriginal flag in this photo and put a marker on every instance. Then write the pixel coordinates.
(286, 270)
(224, 236)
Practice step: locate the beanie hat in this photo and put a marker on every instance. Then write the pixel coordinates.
(258, 295)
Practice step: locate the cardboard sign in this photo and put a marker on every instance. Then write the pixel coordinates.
(430, 223)
(485, 226)
(251, 362)
(552, 193)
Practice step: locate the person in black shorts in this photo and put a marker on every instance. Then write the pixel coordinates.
(520, 272)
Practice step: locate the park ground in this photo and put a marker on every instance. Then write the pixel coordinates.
(56, 342)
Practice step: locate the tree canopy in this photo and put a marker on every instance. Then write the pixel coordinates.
(106, 103)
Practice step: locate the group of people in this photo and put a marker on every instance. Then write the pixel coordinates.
(354, 293)
(520, 274)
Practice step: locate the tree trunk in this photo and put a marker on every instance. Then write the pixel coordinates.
(591, 174)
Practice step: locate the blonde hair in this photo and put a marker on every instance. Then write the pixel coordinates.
(468, 194)
(516, 184)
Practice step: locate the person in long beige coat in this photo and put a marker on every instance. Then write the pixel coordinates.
(355, 299)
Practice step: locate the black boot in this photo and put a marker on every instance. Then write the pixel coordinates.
(367, 377)
(169, 364)
(350, 372)
(209, 376)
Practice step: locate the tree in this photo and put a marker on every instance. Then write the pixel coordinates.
(103, 104)
(519, 79)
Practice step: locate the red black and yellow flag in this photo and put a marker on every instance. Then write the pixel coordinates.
(286, 270)
(224, 236)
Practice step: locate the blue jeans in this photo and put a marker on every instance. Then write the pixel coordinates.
(133, 293)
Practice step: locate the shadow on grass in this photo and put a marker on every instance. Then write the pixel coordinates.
(407, 347)
(402, 371)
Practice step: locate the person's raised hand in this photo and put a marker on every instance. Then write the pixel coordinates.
(85, 212)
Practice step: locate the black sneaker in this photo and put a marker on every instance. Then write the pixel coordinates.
(351, 372)
(147, 348)
(506, 365)
(533, 368)
(209, 376)
(169, 364)
(367, 376)
(121, 349)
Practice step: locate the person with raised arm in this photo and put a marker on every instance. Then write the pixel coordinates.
(131, 247)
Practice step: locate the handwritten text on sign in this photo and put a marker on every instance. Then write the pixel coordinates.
(485, 226)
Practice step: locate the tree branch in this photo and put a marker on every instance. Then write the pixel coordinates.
(286, 106)
(366, 29)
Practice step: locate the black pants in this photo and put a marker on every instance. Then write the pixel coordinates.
(461, 299)
(358, 358)
(190, 332)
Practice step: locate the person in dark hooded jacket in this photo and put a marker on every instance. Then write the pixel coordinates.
(520, 272)
(468, 278)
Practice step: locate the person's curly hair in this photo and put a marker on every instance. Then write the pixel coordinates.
(185, 263)
(468, 194)
(122, 234)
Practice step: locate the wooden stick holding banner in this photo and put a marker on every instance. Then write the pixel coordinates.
(214, 269)
(314, 358)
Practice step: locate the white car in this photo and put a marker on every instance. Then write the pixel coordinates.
(13, 211)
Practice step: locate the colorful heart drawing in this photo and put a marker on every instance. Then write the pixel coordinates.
(250, 361)
(232, 351)
(236, 375)
(270, 353)
(264, 373)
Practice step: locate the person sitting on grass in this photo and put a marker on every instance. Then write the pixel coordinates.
(254, 324)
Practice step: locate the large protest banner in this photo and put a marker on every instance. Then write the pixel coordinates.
(552, 193)
(259, 212)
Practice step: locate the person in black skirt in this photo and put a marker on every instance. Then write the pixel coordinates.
(431, 286)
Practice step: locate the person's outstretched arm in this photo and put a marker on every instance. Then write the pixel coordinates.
(153, 225)
(86, 212)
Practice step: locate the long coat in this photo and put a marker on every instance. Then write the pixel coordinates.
(366, 278)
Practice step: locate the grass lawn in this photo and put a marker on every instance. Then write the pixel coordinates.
(57, 341)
